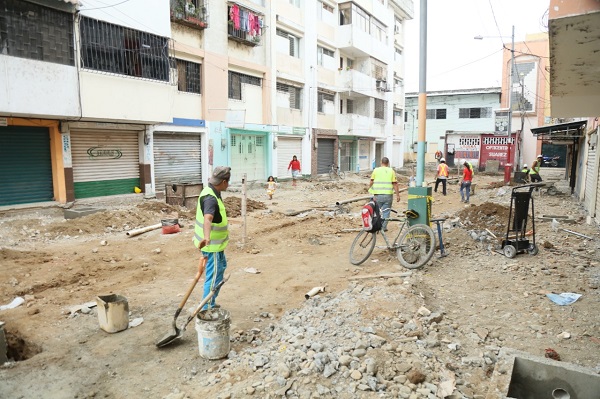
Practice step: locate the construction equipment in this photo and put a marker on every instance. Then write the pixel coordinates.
(517, 239)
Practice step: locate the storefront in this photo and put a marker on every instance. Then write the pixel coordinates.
(287, 147)
(177, 158)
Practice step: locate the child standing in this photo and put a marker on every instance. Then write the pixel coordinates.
(271, 187)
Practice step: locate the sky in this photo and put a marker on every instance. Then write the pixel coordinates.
(455, 60)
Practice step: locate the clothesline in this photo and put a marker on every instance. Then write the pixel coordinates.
(245, 20)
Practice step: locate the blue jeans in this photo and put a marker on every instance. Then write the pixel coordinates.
(215, 268)
(385, 204)
(465, 185)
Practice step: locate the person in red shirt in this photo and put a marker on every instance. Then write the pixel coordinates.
(295, 167)
(465, 184)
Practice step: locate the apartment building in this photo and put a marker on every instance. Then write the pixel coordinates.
(466, 116)
(149, 93)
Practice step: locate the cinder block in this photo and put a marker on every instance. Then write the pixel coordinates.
(79, 212)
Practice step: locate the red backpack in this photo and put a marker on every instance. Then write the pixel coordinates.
(371, 216)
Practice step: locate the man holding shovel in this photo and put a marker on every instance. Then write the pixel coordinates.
(211, 233)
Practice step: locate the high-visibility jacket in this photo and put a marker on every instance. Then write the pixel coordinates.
(443, 170)
(219, 233)
(383, 179)
(525, 170)
(535, 169)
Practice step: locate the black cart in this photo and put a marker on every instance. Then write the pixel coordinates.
(516, 240)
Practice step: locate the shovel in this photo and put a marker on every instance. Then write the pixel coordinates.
(175, 330)
(178, 333)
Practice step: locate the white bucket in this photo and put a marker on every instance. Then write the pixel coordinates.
(113, 312)
(213, 335)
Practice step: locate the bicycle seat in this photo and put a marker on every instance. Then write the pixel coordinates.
(411, 214)
(437, 220)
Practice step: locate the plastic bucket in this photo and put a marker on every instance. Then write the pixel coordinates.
(213, 335)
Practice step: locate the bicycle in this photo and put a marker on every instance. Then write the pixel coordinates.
(335, 171)
(414, 245)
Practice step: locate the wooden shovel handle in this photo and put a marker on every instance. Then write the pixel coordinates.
(201, 267)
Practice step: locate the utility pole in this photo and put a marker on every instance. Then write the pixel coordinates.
(510, 85)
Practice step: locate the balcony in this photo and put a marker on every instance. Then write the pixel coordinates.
(191, 13)
(360, 126)
(244, 26)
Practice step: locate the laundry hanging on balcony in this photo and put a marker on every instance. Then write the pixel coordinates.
(245, 20)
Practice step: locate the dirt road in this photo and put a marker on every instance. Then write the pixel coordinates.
(55, 263)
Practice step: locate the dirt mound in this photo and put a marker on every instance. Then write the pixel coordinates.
(485, 216)
(234, 206)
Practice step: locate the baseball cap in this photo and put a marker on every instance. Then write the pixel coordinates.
(219, 174)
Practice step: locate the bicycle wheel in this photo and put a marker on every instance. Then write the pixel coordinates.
(341, 174)
(416, 246)
(362, 247)
(331, 174)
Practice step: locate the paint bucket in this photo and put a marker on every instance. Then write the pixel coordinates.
(113, 312)
(213, 335)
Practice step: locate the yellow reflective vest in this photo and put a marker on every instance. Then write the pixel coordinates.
(383, 179)
(219, 233)
(443, 170)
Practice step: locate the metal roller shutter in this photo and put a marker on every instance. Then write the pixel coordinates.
(286, 148)
(25, 165)
(591, 178)
(324, 155)
(177, 159)
(105, 162)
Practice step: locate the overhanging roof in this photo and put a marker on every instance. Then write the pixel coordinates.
(561, 131)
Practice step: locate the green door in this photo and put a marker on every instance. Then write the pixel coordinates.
(25, 165)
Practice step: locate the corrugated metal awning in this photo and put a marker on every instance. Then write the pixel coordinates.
(561, 131)
(74, 2)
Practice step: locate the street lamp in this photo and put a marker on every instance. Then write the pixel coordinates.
(512, 65)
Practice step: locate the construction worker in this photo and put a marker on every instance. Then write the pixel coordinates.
(441, 176)
(383, 185)
(525, 170)
(534, 172)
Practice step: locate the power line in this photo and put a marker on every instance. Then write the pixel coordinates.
(469, 63)
(109, 6)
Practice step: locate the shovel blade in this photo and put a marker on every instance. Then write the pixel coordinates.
(168, 338)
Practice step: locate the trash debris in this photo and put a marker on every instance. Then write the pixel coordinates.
(566, 298)
(577, 234)
(315, 291)
(554, 225)
(18, 301)
(78, 308)
(251, 270)
(564, 335)
(136, 322)
(552, 354)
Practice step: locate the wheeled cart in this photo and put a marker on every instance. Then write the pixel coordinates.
(517, 237)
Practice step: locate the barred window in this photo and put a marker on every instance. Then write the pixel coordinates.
(112, 48)
(379, 109)
(236, 80)
(38, 33)
(475, 113)
(294, 94)
(436, 113)
(188, 76)
(322, 98)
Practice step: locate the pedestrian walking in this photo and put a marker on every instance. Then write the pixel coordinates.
(211, 233)
(271, 185)
(383, 185)
(465, 184)
(295, 167)
(441, 176)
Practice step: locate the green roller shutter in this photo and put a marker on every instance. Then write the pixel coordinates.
(25, 165)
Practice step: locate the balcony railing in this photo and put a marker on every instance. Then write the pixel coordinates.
(244, 26)
(192, 13)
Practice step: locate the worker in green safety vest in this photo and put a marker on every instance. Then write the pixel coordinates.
(211, 233)
(383, 185)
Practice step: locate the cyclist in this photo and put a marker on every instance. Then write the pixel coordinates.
(383, 185)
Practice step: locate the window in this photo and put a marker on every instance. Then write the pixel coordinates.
(475, 113)
(322, 98)
(436, 113)
(188, 76)
(352, 14)
(37, 33)
(378, 69)
(397, 26)
(379, 109)
(291, 44)
(378, 30)
(116, 49)
(325, 13)
(244, 25)
(293, 93)
(397, 116)
(236, 80)
(349, 106)
(323, 52)
(397, 54)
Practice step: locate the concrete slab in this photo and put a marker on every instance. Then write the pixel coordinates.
(521, 375)
(79, 212)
